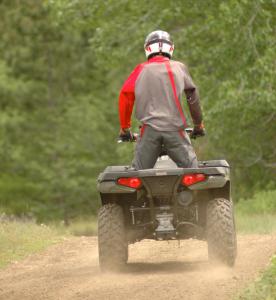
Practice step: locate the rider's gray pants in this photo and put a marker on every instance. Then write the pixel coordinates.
(176, 143)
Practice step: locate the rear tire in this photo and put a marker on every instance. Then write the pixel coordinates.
(221, 233)
(113, 247)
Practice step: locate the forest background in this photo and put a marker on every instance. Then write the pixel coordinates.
(63, 62)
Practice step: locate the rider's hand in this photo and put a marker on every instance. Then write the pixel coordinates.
(123, 131)
(198, 130)
(125, 135)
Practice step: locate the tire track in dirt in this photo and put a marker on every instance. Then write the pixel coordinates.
(156, 270)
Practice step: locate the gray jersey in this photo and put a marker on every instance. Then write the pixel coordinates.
(154, 99)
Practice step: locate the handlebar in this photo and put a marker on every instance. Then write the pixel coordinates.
(189, 130)
(134, 136)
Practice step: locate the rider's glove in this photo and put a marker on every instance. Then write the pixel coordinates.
(198, 130)
(126, 135)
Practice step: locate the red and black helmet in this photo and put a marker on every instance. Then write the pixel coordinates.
(158, 42)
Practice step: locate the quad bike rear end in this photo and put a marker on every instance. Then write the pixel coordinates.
(166, 203)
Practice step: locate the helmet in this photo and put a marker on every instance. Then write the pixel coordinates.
(158, 42)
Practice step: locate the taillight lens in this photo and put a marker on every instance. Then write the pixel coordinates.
(190, 179)
(132, 182)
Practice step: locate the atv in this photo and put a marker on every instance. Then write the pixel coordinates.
(165, 203)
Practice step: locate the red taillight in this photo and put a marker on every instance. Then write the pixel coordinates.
(132, 182)
(190, 179)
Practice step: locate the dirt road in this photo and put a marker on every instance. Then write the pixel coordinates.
(156, 270)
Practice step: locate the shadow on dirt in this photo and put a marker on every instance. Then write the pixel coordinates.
(170, 266)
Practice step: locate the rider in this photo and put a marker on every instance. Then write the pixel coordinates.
(156, 86)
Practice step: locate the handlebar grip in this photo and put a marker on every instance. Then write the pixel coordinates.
(189, 130)
(128, 138)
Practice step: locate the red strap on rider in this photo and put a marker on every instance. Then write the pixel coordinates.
(176, 99)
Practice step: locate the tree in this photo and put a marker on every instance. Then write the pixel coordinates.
(62, 63)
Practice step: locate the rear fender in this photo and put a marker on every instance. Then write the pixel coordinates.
(203, 197)
(210, 194)
(223, 192)
(212, 182)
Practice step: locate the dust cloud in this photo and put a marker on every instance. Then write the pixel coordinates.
(156, 270)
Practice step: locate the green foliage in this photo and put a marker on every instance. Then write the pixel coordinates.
(264, 288)
(62, 63)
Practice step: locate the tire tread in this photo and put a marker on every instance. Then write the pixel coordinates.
(111, 237)
(221, 233)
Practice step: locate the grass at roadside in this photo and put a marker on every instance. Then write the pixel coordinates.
(79, 227)
(257, 215)
(262, 223)
(263, 288)
(18, 239)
